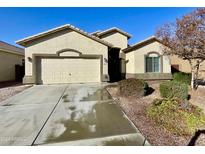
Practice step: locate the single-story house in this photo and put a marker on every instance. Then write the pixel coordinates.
(67, 54)
(9, 57)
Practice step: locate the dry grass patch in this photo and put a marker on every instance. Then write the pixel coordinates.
(181, 118)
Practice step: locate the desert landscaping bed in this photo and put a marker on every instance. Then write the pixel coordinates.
(135, 108)
(8, 89)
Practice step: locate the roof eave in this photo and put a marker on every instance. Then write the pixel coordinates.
(13, 52)
(128, 36)
(114, 30)
(38, 35)
(131, 48)
(51, 31)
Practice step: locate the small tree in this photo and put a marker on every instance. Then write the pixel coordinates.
(186, 39)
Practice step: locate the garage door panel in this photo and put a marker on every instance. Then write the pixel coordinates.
(67, 70)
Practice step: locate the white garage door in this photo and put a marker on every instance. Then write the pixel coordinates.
(68, 70)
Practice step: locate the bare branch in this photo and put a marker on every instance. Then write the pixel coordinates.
(185, 38)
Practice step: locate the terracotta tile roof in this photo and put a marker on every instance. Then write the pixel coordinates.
(11, 48)
(57, 29)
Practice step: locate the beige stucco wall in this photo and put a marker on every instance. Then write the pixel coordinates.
(117, 39)
(136, 59)
(130, 65)
(62, 40)
(120, 41)
(184, 65)
(7, 65)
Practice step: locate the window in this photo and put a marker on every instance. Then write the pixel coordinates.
(152, 64)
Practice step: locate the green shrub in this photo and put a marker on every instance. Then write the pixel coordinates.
(173, 89)
(182, 77)
(168, 113)
(133, 87)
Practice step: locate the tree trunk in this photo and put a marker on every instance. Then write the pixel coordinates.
(192, 73)
(192, 79)
(197, 75)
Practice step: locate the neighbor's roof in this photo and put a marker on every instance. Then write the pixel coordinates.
(60, 28)
(11, 48)
(141, 44)
(111, 30)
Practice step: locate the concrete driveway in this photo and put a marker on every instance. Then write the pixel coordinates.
(72, 114)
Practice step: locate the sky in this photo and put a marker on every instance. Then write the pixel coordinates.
(18, 23)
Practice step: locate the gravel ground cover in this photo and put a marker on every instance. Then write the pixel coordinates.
(135, 108)
(8, 89)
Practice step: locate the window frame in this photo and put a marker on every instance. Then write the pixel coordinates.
(153, 67)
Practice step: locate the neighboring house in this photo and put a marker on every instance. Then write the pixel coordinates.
(9, 57)
(144, 60)
(67, 54)
(178, 64)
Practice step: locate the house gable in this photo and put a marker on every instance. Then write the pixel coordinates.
(141, 44)
(63, 40)
(117, 39)
(26, 41)
(115, 36)
(136, 63)
(112, 30)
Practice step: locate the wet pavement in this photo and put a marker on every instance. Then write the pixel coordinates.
(73, 114)
(23, 115)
